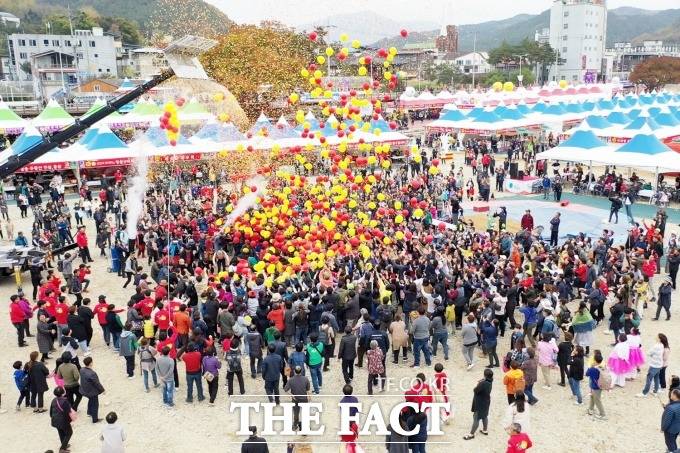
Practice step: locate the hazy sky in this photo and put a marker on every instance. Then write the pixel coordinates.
(296, 12)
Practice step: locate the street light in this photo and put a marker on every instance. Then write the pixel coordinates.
(520, 76)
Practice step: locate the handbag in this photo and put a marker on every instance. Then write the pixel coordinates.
(208, 376)
(72, 414)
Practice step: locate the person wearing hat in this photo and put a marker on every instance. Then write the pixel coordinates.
(298, 386)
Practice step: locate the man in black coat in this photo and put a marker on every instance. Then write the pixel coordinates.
(347, 353)
(254, 444)
(85, 312)
(480, 404)
(90, 388)
(272, 370)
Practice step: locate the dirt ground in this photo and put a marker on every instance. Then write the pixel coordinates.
(557, 425)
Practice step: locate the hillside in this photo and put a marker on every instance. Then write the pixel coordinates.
(365, 26)
(147, 17)
(623, 24)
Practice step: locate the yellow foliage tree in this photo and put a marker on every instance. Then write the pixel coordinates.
(259, 64)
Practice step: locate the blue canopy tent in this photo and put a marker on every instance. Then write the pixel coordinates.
(28, 138)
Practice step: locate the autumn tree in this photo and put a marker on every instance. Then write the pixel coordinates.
(656, 72)
(259, 64)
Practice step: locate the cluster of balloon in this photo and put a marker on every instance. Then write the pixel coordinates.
(170, 121)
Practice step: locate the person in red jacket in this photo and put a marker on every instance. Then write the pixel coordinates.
(162, 318)
(83, 272)
(276, 315)
(81, 240)
(146, 305)
(161, 291)
(518, 442)
(100, 311)
(420, 392)
(61, 315)
(527, 221)
(17, 316)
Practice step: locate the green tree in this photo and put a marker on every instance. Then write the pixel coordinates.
(493, 77)
(528, 78)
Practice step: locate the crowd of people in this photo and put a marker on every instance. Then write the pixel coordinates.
(328, 270)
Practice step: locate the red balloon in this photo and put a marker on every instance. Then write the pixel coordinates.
(354, 242)
(435, 162)
(173, 142)
(313, 36)
(253, 188)
(428, 239)
(404, 33)
(415, 184)
(422, 204)
(413, 202)
(393, 125)
(441, 226)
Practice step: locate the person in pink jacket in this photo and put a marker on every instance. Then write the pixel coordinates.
(547, 351)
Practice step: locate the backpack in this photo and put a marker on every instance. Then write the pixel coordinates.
(604, 381)
(60, 265)
(234, 362)
(385, 314)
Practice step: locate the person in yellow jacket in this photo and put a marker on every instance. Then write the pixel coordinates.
(147, 328)
(450, 315)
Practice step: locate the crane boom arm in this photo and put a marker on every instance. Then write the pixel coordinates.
(15, 162)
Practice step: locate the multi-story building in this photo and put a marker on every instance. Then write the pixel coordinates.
(143, 62)
(61, 60)
(578, 32)
(447, 41)
(473, 63)
(624, 56)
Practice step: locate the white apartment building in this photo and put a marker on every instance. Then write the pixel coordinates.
(143, 62)
(578, 32)
(473, 63)
(624, 56)
(63, 59)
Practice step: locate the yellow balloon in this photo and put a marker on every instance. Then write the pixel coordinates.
(386, 164)
(563, 84)
(508, 86)
(497, 86)
(393, 51)
(318, 74)
(352, 204)
(386, 240)
(356, 43)
(418, 213)
(397, 205)
(293, 98)
(218, 97)
(387, 75)
(362, 70)
(381, 197)
(321, 59)
(399, 235)
(344, 37)
(304, 73)
(398, 219)
(329, 51)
